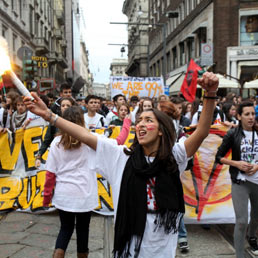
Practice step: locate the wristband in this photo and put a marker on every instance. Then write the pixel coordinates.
(49, 116)
(210, 97)
(55, 119)
(211, 91)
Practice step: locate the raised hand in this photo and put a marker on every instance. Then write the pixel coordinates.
(37, 106)
(209, 82)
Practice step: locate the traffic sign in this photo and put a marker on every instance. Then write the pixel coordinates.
(206, 54)
(24, 52)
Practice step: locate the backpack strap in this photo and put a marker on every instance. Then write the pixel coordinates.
(5, 114)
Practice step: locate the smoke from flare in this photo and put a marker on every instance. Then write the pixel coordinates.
(5, 63)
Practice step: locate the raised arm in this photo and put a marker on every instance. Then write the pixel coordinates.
(209, 83)
(38, 107)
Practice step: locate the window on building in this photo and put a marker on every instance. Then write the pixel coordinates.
(4, 31)
(20, 8)
(37, 24)
(194, 4)
(183, 10)
(168, 62)
(190, 49)
(180, 18)
(186, 8)
(14, 42)
(174, 53)
(190, 7)
(182, 53)
(249, 30)
(46, 34)
(31, 20)
(41, 29)
(12, 4)
(157, 69)
(202, 37)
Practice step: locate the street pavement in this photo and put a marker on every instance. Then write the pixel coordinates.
(26, 235)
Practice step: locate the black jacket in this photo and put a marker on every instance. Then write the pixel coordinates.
(232, 140)
(49, 137)
(56, 107)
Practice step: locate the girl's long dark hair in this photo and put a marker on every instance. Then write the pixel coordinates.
(167, 139)
(73, 114)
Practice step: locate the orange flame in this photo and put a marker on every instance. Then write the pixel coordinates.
(5, 63)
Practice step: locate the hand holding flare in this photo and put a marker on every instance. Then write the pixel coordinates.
(5, 67)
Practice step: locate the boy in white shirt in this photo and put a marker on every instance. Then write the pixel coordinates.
(92, 118)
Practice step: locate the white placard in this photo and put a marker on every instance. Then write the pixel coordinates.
(137, 86)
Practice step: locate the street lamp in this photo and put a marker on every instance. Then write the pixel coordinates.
(164, 26)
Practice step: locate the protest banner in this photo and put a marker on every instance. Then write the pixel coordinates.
(137, 86)
(207, 186)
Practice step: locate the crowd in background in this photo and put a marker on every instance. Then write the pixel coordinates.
(101, 113)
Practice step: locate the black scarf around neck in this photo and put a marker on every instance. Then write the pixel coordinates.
(132, 204)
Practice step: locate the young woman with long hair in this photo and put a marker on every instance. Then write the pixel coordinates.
(229, 110)
(75, 192)
(122, 110)
(147, 192)
(243, 167)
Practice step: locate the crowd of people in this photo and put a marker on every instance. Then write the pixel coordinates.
(143, 175)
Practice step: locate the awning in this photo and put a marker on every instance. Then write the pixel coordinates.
(176, 86)
(172, 79)
(225, 83)
(251, 85)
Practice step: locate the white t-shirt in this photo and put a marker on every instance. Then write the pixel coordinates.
(195, 118)
(249, 154)
(76, 186)
(111, 116)
(95, 121)
(35, 120)
(110, 162)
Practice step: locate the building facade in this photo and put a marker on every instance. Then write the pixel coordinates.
(217, 34)
(101, 90)
(85, 71)
(38, 27)
(49, 31)
(118, 67)
(138, 44)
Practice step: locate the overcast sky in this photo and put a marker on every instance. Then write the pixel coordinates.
(99, 33)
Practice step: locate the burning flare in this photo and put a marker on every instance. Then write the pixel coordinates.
(5, 64)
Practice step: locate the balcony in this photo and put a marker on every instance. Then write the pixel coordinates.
(53, 57)
(60, 17)
(62, 61)
(42, 46)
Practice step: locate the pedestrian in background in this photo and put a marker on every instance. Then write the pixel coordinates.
(243, 141)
